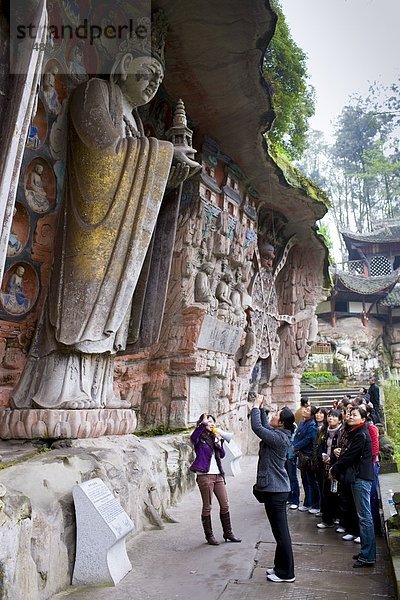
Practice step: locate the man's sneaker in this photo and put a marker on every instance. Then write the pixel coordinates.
(340, 529)
(313, 511)
(276, 579)
(357, 540)
(303, 508)
(324, 525)
(294, 506)
(348, 537)
(271, 571)
(359, 564)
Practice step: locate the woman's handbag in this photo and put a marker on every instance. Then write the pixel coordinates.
(350, 474)
(259, 494)
(303, 461)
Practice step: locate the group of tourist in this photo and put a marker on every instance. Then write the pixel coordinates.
(336, 451)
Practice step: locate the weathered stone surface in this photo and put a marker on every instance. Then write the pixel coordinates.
(358, 349)
(219, 336)
(37, 533)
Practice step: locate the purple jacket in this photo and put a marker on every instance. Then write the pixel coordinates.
(203, 451)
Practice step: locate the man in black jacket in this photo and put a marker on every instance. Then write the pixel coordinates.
(355, 467)
(373, 392)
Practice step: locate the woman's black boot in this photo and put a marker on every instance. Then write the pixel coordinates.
(226, 526)
(208, 531)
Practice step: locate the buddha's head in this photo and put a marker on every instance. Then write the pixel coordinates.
(139, 66)
(139, 78)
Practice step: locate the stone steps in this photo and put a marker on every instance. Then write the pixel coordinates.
(326, 397)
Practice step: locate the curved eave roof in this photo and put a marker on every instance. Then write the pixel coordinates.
(393, 297)
(378, 236)
(214, 53)
(366, 286)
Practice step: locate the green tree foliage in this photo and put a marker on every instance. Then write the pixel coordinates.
(293, 99)
(360, 171)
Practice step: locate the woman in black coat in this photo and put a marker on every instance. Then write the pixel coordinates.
(355, 467)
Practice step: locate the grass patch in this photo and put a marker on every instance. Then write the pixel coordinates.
(392, 415)
(162, 430)
(318, 377)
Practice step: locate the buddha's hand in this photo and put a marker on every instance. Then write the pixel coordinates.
(182, 168)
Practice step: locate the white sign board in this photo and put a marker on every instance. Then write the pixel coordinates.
(219, 336)
(102, 526)
(199, 397)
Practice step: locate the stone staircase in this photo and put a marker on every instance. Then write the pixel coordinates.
(326, 397)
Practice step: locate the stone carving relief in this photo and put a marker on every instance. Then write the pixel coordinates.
(40, 185)
(38, 127)
(113, 192)
(54, 86)
(19, 231)
(19, 289)
(202, 288)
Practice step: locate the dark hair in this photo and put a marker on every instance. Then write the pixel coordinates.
(357, 401)
(334, 413)
(314, 409)
(361, 410)
(201, 417)
(304, 401)
(287, 418)
(324, 411)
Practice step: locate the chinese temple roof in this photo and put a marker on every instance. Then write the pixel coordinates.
(388, 231)
(393, 297)
(366, 287)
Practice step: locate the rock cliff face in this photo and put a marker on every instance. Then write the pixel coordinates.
(37, 517)
(357, 350)
(232, 307)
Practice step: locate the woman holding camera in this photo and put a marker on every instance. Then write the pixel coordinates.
(273, 485)
(209, 450)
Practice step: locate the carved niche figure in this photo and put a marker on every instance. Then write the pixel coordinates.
(14, 299)
(223, 293)
(202, 287)
(238, 314)
(35, 193)
(76, 64)
(249, 350)
(49, 89)
(14, 245)
(116, 178)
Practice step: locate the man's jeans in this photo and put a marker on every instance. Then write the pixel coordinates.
(361, 490)
(291, 468)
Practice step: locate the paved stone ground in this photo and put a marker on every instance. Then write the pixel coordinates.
(176, 563)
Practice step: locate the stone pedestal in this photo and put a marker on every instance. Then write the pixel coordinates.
(102, 526)
(52, 423)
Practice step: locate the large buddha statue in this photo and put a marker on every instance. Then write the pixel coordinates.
(115, 182)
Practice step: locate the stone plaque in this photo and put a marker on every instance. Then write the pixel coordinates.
(219, 336)
(102, 525)
(199, 397)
